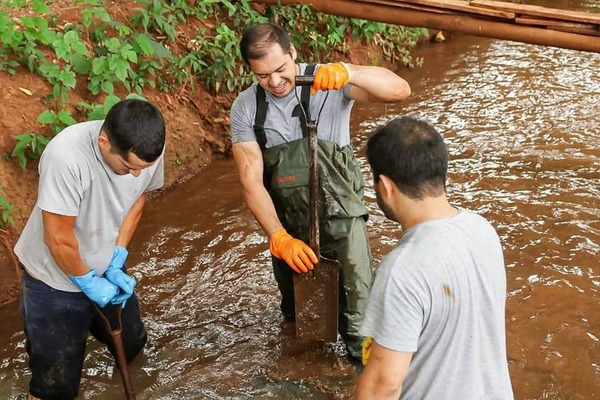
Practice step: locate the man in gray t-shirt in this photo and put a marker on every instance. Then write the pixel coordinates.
(435, 317)
(91, 194)
(270, 149)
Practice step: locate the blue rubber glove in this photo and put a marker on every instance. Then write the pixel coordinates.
(115, 274)
(97, 289)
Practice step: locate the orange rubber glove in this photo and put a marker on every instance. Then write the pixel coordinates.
(366, 349)
(331, 76)
(297, 254)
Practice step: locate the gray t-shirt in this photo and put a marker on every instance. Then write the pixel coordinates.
(440, 294)
(75, 181)
(281, 127)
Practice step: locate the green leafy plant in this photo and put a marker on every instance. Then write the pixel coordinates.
(29, 147)
(117, 64)
(22, 42)
(61, 79)
(69, 46)
(99, 111)
(9, 66)
(158, 16)
(5, 207)
(89, 14)
(57, 120)
(112, 67)
(113, 55)
(216, 60)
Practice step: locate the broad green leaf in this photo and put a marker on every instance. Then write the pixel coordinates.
(98, 65)
(121, 68)
(97, 113)
(47, 117)
(144, 43)
(160, 50)
(110, 101)
(65, 117)
(132, 56)
(102, 14)
(107, 87)
(81, 65)
(68, 78)
(136, 96)
(40, 6)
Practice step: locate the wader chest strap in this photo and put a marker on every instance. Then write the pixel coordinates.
(262, 105)
(260, 116)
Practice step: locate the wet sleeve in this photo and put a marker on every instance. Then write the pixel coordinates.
(395, 312)
(61, 183)
(242, 118)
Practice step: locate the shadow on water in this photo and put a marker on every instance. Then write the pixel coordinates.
(522, 127)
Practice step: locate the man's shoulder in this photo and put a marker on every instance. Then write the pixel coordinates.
(69, 144)
(477, 222)
(397, 262)
(243, 107)
(246, 95)
(86, 126)
(77, 133)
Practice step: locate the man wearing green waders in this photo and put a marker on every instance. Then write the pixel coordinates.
(270, 151)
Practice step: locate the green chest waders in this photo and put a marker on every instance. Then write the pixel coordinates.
(339, 191)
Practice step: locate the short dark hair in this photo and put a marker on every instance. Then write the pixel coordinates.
(257, 40)
(412, 154)
(135, 126)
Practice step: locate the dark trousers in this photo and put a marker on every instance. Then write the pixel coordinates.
(57, 325)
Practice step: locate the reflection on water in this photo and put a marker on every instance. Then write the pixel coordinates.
(522, 126)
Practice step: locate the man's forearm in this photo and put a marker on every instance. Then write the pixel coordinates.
(379, 83)
(66, 256)
(130, 222)
(62, 243)
(368, 389)
(261, 205)
(384, 374)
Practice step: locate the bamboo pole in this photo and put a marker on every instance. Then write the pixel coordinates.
(451, 23)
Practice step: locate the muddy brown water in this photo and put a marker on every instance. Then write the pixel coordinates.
(522, 124)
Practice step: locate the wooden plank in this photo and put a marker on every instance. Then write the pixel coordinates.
(505, 30)
(581, 31)
(530, 20)
(396, 3)
(464, 6)
(538, 11)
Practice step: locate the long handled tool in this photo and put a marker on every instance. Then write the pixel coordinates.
(117, 340)
(316, 292)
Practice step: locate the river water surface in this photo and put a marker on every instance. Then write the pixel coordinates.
(522, 125)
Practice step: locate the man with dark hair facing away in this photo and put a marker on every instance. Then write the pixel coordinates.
(435, 316)
(92, 188)
(271, 154)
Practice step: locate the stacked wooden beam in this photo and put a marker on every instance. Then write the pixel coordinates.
(519, 14)
(488, 18)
